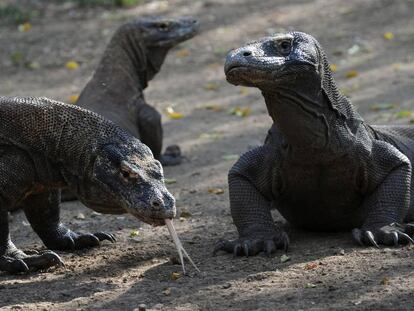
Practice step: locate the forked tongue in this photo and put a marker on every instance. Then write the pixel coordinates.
(179, 246)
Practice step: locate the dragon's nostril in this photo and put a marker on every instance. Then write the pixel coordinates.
(247, 53)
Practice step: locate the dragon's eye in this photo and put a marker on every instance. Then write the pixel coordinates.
(163, 27)
(285, 46)
(129, 172)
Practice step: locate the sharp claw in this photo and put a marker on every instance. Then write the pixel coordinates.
(269, 248)
(113, 238)
(356, 234)
(395, 237)
(371, 238)
(236, 250)
(58, 259)
(20, 266)
(105, 236)
(71, 243)
(406, 236)
(246, 249)
(409, 228)
(286, 242)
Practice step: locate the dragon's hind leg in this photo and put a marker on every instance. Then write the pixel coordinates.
(151, 134)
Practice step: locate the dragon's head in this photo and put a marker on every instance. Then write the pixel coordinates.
(278, 60)
(125, 177)
(154, 37)
(166, 32)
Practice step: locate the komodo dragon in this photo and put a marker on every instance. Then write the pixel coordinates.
(46, 146)
(321, 166)
(133, 57)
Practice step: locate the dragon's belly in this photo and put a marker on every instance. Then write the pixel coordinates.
(320, 197)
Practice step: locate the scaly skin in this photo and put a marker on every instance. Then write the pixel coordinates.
(46, 146)
(321, 166)
(133, 57)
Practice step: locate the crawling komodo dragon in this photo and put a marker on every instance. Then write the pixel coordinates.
(321, 166)
(133, 57)
(46, 146)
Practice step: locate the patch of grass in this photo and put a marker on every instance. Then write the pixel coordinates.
(119, 3)
(14, 14)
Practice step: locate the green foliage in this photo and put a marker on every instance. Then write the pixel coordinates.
(119, 3)
(14, 14)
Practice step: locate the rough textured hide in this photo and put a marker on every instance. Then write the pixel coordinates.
(46, 146)
(321, 166)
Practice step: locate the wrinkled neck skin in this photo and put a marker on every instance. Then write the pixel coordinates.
(301, 112)
(126, 67)
(155, 59)
(85, 188)
(123, 68)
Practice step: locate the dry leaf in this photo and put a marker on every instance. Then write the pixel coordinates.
(213, 107)
(73, 99)
(175, 276)
(214, 135)
(182, 53)
(240, 112)
(403, 114)
(173, 114)
(32, 65)
(311, 266)
(215, 66)
(211, 86)
(133, 233)
(351, 74)
(244, 91)
(215, 190)
(185, 214)
(333, 67)
(72, 65)
(388, 35)
(396, 66)
(381, 107)
(24, 27)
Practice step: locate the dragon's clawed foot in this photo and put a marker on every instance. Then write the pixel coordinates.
(70, 240)
(391, 235)
(21, 263)
(254, 244)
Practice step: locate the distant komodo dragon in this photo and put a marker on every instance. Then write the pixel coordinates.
(133, 57)
(46, 146)
(321, 166)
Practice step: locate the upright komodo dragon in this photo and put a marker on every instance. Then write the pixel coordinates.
(133, 57)
(46, 146)
(321, 166)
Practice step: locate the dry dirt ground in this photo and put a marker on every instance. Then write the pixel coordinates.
(325, 271)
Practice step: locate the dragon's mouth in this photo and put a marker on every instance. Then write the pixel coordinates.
(153, 220)
(246, 75)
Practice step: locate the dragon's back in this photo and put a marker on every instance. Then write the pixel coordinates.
(56, 130)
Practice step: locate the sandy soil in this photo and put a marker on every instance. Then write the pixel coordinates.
(325, 271)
